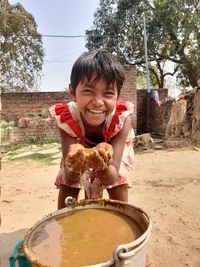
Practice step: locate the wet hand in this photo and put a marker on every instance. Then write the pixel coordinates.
(80, 159)
(76, 160)
(101, 156)
(108, 176)
(71, 177)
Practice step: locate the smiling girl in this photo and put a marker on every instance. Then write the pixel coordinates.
(95, 118)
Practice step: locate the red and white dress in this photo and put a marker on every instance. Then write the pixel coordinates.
(69, 120)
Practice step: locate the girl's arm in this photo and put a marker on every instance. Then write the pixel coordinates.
(66, 141)
(118, 142)
(110, 174)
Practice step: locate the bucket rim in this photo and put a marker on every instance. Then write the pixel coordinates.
(100, 204)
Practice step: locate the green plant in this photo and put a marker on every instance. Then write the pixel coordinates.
(44, 113)
(33, 139)
(7, 124)
(6, 127)
(30, 114)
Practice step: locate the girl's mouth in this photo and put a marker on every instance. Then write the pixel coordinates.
(96, 111)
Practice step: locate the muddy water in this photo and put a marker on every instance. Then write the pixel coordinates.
(81, 238)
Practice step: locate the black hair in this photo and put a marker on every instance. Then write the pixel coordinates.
(99, 63)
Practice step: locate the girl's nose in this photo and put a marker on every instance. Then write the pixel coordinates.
(98, 100)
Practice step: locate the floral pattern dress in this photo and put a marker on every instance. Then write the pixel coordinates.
(69, 120)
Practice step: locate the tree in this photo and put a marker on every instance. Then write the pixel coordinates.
(173, 35)
(21, 53)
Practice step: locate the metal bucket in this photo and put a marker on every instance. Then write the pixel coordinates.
(131, 254)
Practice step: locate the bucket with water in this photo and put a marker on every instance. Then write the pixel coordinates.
(93, 233)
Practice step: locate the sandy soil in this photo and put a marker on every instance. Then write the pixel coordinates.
(166, 184)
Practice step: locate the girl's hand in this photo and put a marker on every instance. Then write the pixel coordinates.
(106, 147)
(108, 176)
(80, 159)
(101, 156)
(71, 177)
(76, 160)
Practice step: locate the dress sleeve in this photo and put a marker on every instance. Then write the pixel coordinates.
(62, 113)
(116, 123)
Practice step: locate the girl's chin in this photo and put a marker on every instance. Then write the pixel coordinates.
(94, 121)
(90, 119)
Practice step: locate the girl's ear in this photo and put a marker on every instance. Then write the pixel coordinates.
(72, 93)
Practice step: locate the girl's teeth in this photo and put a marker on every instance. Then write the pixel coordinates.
(96, 111)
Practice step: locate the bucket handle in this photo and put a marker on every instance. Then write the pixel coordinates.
(126, 251)
(69, 200)
(16, 255)
(12, 261)
(123, 252)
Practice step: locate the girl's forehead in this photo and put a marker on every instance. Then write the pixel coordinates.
(91, 81)
(92, 78)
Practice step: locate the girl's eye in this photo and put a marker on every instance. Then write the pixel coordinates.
(109, 93)
(87, 90)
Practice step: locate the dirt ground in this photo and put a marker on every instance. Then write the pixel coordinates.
(166, 184)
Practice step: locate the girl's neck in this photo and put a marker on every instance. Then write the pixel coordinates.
(94, 133)
(92, 130)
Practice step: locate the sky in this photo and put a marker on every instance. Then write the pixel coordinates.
(61, 17)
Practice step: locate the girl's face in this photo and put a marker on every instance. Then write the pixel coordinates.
(95, 101)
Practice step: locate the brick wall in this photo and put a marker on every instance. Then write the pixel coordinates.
(129, 91)
(16, 105)
(158, 115)
(39, 130)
